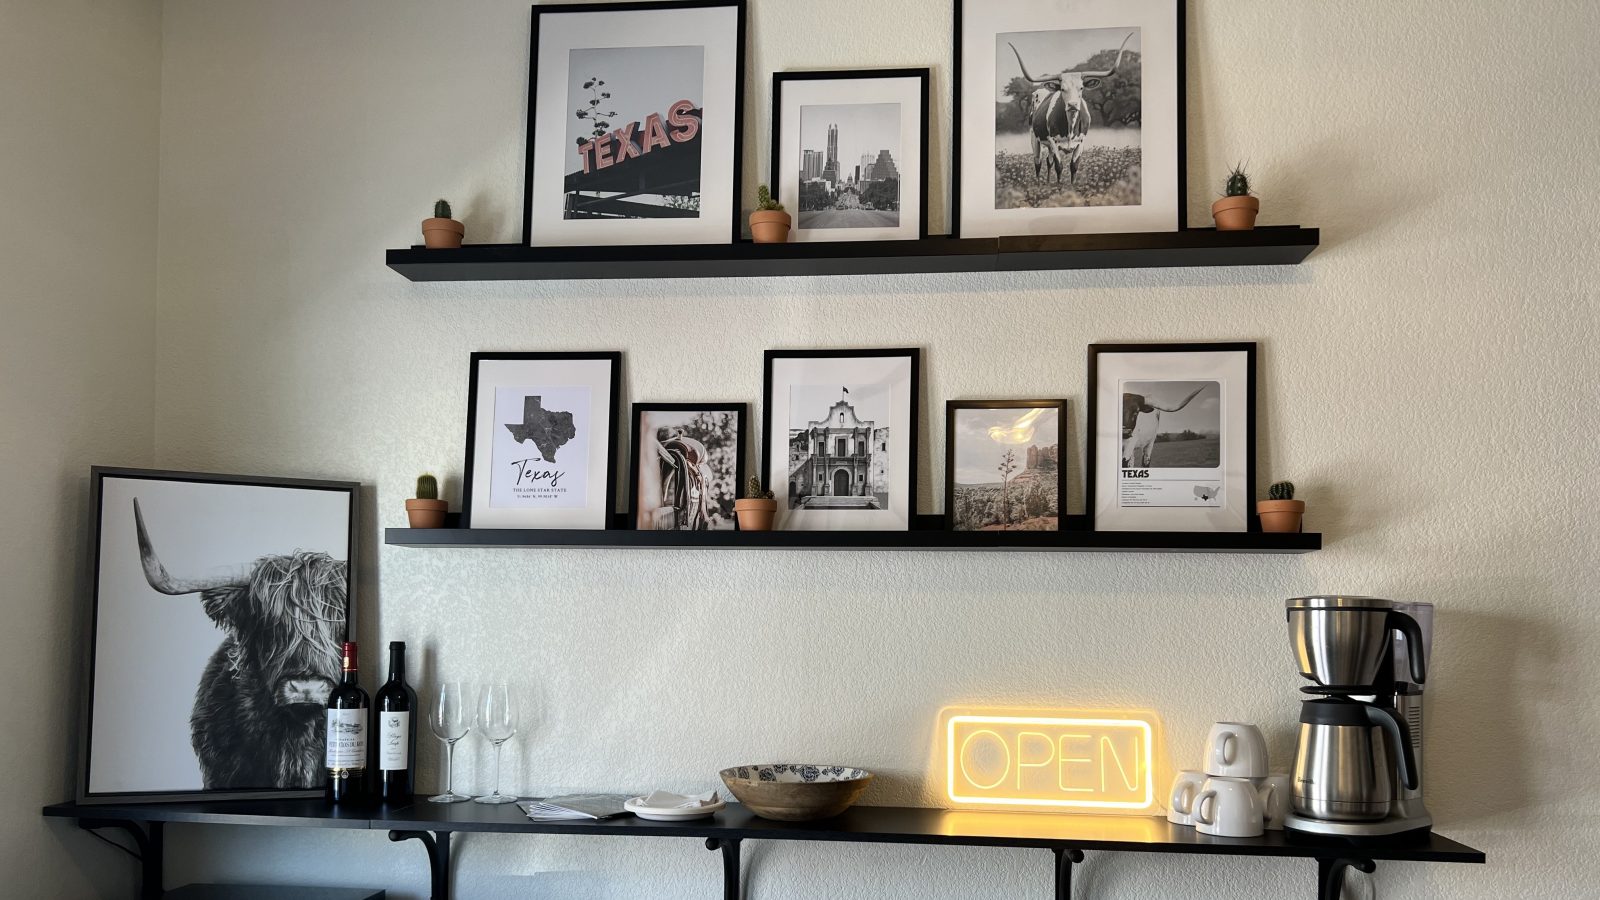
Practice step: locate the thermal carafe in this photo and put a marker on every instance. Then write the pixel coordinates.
(1345, 761)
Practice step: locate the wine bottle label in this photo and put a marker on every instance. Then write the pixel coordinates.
(347, 739)
(394, 732)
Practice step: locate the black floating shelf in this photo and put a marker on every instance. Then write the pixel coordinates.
(1268, 246)
(1057, 541)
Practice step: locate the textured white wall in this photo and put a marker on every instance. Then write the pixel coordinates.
(1413, 374)
(79, 105)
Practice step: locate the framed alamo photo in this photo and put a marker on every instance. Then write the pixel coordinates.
(1069, 117)
(219, 606)
(1171, 436)
(634, 123)
(541, 440)
(1003, 465)
(850, 153)
(841, 431)
(687, 465)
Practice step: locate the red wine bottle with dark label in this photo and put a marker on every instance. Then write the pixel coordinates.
(394, 713)
(347, 736)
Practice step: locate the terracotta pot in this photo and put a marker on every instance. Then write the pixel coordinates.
(426, 513)
(442, 234)
(1280, 516)
(755, 515)
(1236, 213)
(769, 226)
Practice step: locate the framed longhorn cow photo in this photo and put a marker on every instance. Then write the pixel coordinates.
(634, 123)
(219, 606)
(1069, 117)
(1172, 436)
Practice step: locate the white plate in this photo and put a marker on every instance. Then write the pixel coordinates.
(670, 815)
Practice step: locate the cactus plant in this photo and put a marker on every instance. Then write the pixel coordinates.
(441, 209)
(765, 201)
(1238, 182)
(1282, 490)
(753, 491)
(427, 487)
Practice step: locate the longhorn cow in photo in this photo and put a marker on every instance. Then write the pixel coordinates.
(1141, 422)
(1058, 115)
(259, 710)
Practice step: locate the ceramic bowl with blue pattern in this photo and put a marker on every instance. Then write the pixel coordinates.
(796, 792)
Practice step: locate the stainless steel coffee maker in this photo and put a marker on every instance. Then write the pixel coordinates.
(1358, 759)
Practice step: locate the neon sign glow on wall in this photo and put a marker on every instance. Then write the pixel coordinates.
(1067, 761)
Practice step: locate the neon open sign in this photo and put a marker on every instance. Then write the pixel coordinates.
(1091, 762)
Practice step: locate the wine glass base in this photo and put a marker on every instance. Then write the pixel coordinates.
(449, 798)
(495, 798)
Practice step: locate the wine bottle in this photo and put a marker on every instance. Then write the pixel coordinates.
(347, 735)
(394, 710)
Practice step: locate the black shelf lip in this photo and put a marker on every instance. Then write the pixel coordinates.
(860, 824)
(1041, 541)
(1268, 245)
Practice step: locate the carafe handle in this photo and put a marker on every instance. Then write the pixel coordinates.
(1390, 721)
(1399, 621)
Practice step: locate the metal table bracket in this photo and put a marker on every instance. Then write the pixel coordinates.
(1330, 874)
(1066, 858)
(438, 847)
(730, 865)
(151, 847)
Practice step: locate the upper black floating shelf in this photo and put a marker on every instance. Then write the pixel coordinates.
(1268, 246)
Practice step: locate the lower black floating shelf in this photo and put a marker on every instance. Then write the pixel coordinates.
(1047, 541)
(1267, 246)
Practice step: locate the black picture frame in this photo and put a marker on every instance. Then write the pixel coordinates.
(91, 638)
(614, 357)
(924, 75)
(956, 104)
(736, 219)
(1096, 351)
(741, 413)
(769, 425)
(950, 409)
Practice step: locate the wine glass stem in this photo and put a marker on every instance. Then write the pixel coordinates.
(497, 746)
(449, 767)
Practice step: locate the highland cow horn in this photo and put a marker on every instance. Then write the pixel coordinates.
(1192, 395)
(1024, 67)
(156, 573)
(1106, 73)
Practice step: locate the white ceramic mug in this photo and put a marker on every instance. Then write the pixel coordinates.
(1180, 803)
(1275, 799)
(1236, 750)
(1229, 807)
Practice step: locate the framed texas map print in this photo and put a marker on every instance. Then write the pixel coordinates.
(541, 444)
(1172, 436)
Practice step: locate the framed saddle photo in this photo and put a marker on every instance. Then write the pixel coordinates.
(687, 465)
(1069, 117)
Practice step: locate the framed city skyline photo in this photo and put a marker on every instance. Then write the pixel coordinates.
(1004, 467)
(850, 153)
(1171, 443)
(634, 123)
(687, 465)
(219, 606)
(841, 431)
(541, 446)
(1069, 117)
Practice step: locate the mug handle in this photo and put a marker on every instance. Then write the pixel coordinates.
(1267, 793)
(1199, 804)
(1179, 792)
(1229, 750)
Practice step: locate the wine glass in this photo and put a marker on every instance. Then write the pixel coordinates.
(497, 721)
(450, 719)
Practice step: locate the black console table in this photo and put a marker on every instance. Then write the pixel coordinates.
(1067, 837)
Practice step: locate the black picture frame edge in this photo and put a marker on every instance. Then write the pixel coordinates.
(1181, 67)
(613, 411)
(1090, 406)
(84, 742)
(950, 408)
(924, 74)
(914, 354)
(741, 446)
(741, 31)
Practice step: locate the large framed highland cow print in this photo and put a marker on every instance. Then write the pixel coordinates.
(1069, 117)
(634, 123)
(219, 604)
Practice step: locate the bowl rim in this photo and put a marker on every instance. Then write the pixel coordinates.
(727, 774)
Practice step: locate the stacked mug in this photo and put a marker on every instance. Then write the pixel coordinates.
(1234, 796)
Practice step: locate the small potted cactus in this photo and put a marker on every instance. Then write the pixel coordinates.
(442, 232)
(1280, 512)
(756, 509)
(1236, 211)
(769, 224)
(427, 510)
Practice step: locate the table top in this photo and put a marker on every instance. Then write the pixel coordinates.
(864, 824)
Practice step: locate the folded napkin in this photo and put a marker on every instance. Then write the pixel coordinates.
(669, 800)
